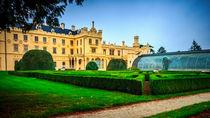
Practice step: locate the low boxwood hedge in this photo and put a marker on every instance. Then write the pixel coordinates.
(160, 84)
(133, 86)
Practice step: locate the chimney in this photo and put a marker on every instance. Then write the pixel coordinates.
(62, 26)
(73, 28)
(123, 43)
(136, 39)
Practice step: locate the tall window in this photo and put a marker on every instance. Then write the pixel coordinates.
(44, 39)
(25, 38)
(25, 48)
(63, 64)
(54, 50)
(63, 41)
(96, 42)
(77, 51)
(93, 50)
(45, 48)
(15, 36)
(72, 43)
(54, 40)
(80, 61)
(111, 51)
(104, 51)
(118, 52)
(36, 39)
(77, 42)
(80, 50)
(80, 41)
(90, 41)
(72, 51)
(16, 47)
(63, 50)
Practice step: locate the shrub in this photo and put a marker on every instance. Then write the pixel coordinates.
(117, 64)
(37, 60)
(91, 66)
(18, 65)
(134, 68)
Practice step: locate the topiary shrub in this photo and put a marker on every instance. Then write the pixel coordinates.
(37, 60)
(134, 68)
(18, 65)
(117, 64)
(91, 66)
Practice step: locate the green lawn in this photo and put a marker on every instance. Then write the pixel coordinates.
(31, 97)
(184, 111)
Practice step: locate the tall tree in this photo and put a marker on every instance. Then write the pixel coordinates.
(19, 12)
(161, 50)
(152, 51)
(195, 46)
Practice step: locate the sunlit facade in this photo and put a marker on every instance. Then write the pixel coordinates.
(70, 48)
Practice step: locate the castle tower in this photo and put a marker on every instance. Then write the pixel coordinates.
(136, 42)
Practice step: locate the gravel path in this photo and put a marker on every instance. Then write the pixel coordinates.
(147, 108)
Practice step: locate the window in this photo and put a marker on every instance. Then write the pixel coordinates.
(72, 51)
(25, 48)
(45, 48)
(111, 52)
(36, 39)
(93, 50)
(15, 36)
(77, 42)
(36, 47)
(118, 52)
(80, 50)
(16, 61)
(77, 51)
(80, 61)
(90, 41)
(96, 42)
(104, 51)
(54, 50)
(44, 39)
(72, 43)
(63, 64)
(63, 50)
(54, 40)
(63, 41)
(55, 64)
(80, 41)
(15, 47)
(25, 38)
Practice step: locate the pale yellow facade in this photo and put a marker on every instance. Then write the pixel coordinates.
(70, 48)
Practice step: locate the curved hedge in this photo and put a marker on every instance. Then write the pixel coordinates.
(117, 64)
(36, 60)
(91, 66)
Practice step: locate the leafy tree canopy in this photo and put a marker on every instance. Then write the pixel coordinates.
(91, 66)
(195, 46)
(161, 50)
(19, 12)
(117, 64)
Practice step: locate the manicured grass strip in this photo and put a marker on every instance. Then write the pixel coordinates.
(184, 111)
(31, 97)
(130, 85)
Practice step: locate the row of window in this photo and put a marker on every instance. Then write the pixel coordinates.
(36, 39)
(90, 41)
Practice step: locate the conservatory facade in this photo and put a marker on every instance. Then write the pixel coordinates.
(186, 60)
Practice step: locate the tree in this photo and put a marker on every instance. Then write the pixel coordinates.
(117, 64)
(152, 51)
(36, 60)
(195, 46)
(19, 12)
(91, 66)
(161, 50)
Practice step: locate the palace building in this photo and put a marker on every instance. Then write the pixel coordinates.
(70, 48)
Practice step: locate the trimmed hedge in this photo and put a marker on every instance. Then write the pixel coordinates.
(117, 64)
(133, 86)
(175, 85)
(91, 66)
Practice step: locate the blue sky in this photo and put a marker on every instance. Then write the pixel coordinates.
(173, 24)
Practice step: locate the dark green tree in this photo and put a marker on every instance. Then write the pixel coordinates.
(20, 12)
(161, 50)
(195, 46)
(117, 64)
(151, 48)
(36, 60)
(18, 65)
(91, 66)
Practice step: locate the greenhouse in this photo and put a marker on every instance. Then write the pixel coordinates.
(186, 60)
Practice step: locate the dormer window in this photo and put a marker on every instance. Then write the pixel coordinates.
(96, 42)
(15, 36)
(36, 39)
(90, 41)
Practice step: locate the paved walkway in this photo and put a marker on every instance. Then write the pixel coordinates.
(147, 108)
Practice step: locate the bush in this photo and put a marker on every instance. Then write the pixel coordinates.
(117, 64)
(91, 66)
(18, 65)
(37, 60)
(134, 68)
(133, 86)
